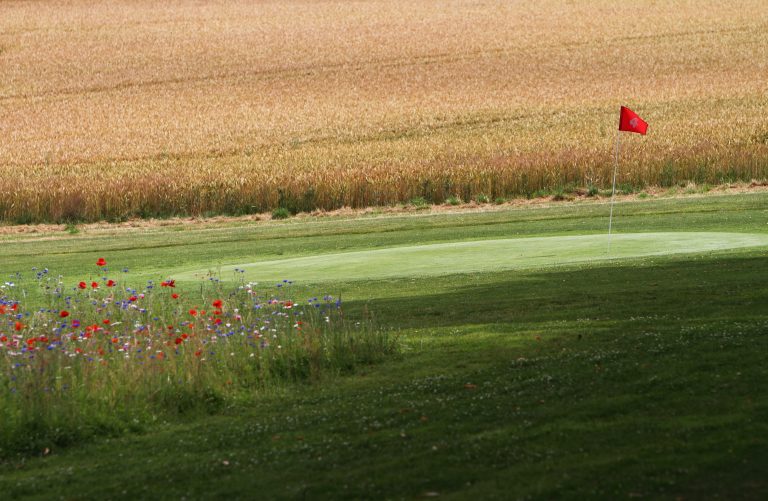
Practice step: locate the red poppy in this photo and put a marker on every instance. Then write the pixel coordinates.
(168, 283)
(178, 340)
(63, 313)
(82, 285)
(75, 323)
(3, 339)
(217, 312)
(15, 306)
(114, 340)
(198, 353)
(175, 296)
(105, 321)
(101, 262)
(217, 321)
(132, 298)
(2, 309)
(217, 303)
(18, 326)
(193, 312)
(110, 283)
(95, 285)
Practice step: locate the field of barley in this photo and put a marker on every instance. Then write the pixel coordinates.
(137, 109)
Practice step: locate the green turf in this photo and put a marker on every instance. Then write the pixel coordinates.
(613, 378)
(487, 255)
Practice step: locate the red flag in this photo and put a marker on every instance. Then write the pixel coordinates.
(630, 122)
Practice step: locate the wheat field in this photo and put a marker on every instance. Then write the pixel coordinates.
(133, 109)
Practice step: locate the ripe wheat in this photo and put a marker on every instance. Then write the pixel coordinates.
(139, 109)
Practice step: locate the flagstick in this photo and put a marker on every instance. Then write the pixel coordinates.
(613, 190)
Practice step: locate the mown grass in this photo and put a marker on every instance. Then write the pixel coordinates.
(611, 380)
(366, 107)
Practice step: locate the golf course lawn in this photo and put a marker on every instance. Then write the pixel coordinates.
(483, 256)
(533, 362)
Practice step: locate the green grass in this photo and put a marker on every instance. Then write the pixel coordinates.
(639, 376)
(482, 256)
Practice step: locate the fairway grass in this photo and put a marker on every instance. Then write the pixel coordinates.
(623, 377)
(486, 256)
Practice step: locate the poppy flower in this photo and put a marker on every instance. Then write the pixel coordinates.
(168, 283)
(175, 296)
(101, 262)
(3, 339)
(18, 326)
(63, 313)
(198, 353)
(105, 321)
(94, 285)
(82, 285)
(193, 312)
(132, 298)
(217, 303)
(178, 340)
(110, 283)
(75, 323)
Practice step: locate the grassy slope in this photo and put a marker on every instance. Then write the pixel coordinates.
(637, 377)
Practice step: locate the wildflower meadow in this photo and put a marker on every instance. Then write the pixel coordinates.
(94, 353)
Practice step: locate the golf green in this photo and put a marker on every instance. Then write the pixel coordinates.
(487, 255)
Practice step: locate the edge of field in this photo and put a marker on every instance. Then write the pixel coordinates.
(650, 194)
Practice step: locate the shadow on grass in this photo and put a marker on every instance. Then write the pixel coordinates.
(681, 288)
(647, 381)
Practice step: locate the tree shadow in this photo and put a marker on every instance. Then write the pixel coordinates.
(695, 287)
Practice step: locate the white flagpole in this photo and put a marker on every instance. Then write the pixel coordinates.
(613, 190)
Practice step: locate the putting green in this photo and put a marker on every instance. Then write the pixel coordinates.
(486, 255)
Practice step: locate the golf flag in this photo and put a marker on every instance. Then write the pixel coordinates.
(630, 122)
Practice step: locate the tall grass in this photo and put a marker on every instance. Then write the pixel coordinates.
(107, 359)
(247, 189)
(365, 106)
